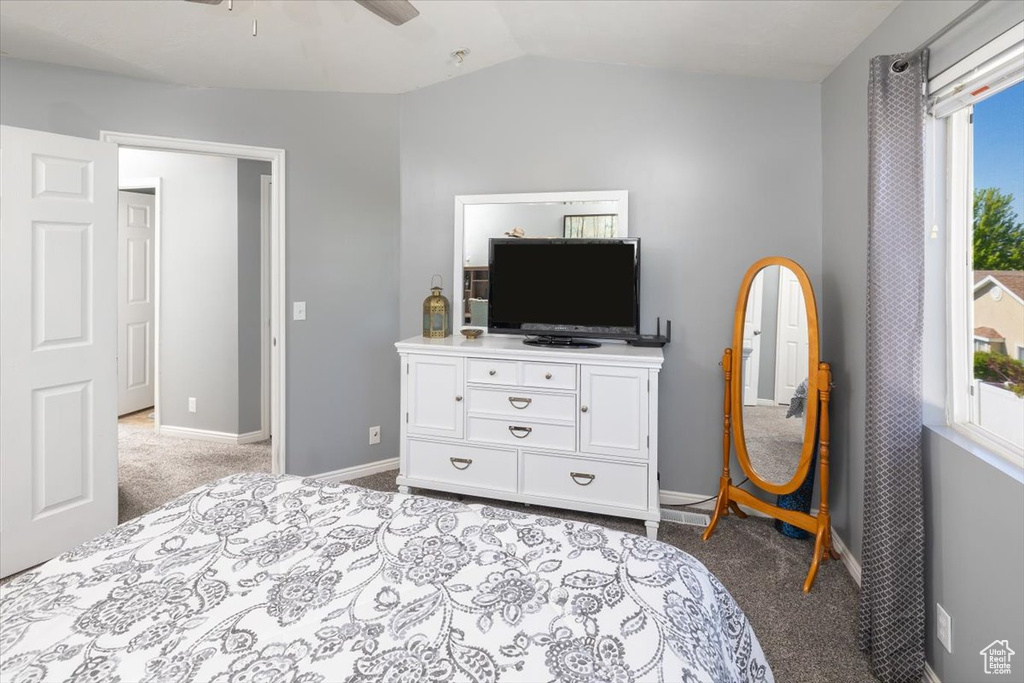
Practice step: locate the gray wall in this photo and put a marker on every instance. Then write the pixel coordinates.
(342, 203)
(966, 498)
(973, 513)
(721, 171)
(249, 265)
(198, 285)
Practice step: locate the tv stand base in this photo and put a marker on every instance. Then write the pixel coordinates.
(561, 342)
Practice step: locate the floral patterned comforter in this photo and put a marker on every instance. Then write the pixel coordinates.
(259, 579)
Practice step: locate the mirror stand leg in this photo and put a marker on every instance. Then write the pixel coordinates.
(820, 541)
(736, 508)
(721, 507)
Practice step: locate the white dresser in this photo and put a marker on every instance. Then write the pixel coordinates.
(567, 428)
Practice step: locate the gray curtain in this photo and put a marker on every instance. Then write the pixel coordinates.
(892, 609)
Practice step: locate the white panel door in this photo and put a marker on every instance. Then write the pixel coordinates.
(135, 322)
(793, 344)
(613, 411)
(751, 363)
(58, 346)
(435, 396)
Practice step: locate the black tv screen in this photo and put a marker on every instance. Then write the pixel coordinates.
(565, 287)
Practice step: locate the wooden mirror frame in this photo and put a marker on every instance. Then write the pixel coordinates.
(819, 385)
(811, 428)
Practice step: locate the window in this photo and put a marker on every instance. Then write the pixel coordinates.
(980, 103)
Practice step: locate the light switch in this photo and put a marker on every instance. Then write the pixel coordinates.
(299, 310)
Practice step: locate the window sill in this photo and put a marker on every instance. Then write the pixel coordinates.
(977, 444)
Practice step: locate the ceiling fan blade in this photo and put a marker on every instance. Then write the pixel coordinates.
(396, 12)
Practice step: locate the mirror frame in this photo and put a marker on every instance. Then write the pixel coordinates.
(461, 201)
(813, 352)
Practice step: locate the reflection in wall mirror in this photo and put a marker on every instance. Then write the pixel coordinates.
(479, 218)
(775, 377)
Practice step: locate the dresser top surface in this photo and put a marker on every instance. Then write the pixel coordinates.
(512, 347)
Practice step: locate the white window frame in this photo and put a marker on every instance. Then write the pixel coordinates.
(955, 93)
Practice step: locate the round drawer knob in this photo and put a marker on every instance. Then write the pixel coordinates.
(547, 375)
(458, 398)
(492, 373)
(584, 408)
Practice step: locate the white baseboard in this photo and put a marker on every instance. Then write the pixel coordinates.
(849, 561)
(680, 498)
(929, 675)
(252, 437)
(350, 473)
(210, 435)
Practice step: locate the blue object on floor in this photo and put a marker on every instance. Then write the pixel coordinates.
(799, 500)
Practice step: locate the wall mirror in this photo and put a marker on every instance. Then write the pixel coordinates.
(776, 402)
(478, 218)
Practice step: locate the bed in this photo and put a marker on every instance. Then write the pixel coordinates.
(260, 578)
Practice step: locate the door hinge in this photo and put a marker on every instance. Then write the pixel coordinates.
(407, 368)
(971, 389)
(648, 386)
(407, 418)
(648, 440)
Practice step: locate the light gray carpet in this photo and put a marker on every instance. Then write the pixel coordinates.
(806, 638)
(774, 441)
(154, 469)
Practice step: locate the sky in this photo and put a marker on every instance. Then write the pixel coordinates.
(999, 144)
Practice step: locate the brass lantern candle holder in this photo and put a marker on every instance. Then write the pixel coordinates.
(437, 312)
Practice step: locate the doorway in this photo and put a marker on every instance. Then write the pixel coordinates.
(275, 248)
(194, 328)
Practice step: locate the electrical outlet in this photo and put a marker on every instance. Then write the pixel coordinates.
(191, 404)
(374, 435)
(944, 628)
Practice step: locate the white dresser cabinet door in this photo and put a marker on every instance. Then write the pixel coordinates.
(436, 405)
(613, 411)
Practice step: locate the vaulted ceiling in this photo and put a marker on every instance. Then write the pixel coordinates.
(336, 45)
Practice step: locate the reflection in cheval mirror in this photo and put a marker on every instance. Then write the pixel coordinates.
(479, 218)
(776, 405)
(774, 371)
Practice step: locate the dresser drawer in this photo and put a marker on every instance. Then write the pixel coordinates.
(549, 376)
(521, 405)
(521, 432)
(591, 481)
(487, 468)
(484, 371)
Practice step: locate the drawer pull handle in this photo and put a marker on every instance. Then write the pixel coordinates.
(515, 400)
(576, 476)
(516, 431)
(584, 409)
(547, 375)
(458, 398)
(492, 373)
(465, 462)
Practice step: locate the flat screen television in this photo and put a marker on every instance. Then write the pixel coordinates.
(557, 289)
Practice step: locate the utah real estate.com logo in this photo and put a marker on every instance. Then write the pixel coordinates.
(997, 657)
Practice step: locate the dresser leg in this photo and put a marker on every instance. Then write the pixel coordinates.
(403, 489)
(652, 530)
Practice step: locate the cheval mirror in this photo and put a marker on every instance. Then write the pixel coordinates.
(776, 404)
